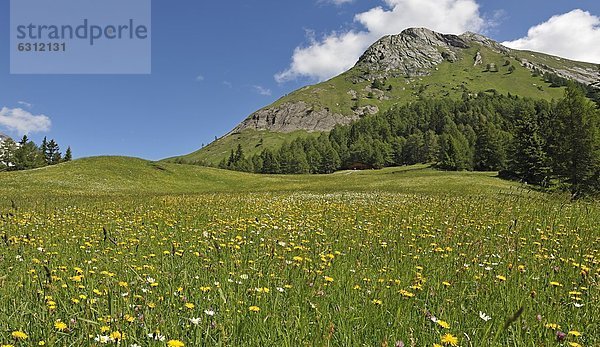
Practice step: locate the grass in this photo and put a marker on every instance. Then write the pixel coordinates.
(125, 250)
(121, 175)
(253, 142)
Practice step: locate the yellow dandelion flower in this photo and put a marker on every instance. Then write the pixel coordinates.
(19, 335)
(443, 324)
(406, 293)
(501, 278)
(450, 340)
(377, 302)
(60, 326)
(328, 279)
(254, 308)
(175, 343)
(574, 333)
(104, 329)
(189, 305)
(574, 344)
(116, 336)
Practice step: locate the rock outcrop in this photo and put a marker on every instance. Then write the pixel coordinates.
(414, 52)
(293, 116)
(478, 59)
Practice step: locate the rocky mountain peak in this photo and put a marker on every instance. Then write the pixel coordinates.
(413, 52)
(416, 51)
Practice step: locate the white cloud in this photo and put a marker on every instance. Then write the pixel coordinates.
(23, 122)
(199, 78)
(339, 51)
(574, 35)
(337, 2)
(24, 103)
(262, 90)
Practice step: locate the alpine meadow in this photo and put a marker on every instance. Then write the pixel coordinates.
(442, 192)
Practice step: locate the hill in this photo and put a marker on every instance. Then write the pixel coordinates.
(414, 65)
(105, 176)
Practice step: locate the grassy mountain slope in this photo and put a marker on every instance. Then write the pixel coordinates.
(347, 92)
(252, 141)
(120, 175)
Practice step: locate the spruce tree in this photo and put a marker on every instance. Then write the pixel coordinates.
(576, 142)
(68, 155)
(529, 161)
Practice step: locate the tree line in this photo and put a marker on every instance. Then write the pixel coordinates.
(25, 154)
(549, 144)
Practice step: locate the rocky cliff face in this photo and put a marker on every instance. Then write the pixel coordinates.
(293, 116)
(414, 52)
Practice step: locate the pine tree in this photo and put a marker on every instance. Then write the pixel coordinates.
(52, 153)
(330, 160)
(68, 155)
(490, 153)
(576, 142)
(28, 156)
(414, 149)
(529, 160)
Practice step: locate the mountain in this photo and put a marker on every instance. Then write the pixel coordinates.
(417, 63)
(3, 137)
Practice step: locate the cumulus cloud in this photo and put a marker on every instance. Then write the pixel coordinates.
(23, 122)
(574, 35)
(339, 51)
(262, 90)
(199, 78)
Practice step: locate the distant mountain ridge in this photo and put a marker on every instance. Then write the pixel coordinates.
(3, 137)
(397, 69)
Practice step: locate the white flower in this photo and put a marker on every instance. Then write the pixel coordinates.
(135, 345)
(156, 337)
(484, 316)
(209, 312)
(577, 305)
(281, 290)
(102, 339)
(244, 277)
(150, 280)
(195, 321)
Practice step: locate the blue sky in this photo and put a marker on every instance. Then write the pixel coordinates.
(214, 63)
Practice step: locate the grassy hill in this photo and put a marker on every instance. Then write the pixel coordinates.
(252, 141)
(121, 175)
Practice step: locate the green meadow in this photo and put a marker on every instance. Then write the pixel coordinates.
(122, 251)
